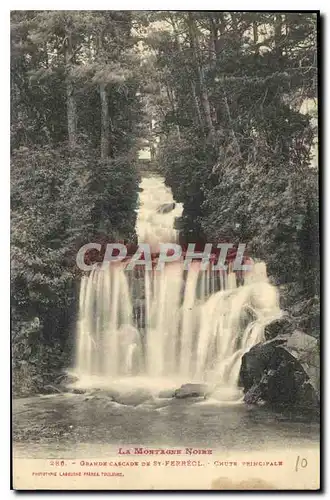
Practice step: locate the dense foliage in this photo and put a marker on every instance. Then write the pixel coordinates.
(237, 144)
(76, 126)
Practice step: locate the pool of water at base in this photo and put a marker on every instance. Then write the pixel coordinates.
(75, 424)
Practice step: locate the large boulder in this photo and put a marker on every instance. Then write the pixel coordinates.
(66, 379)
(280, 326)
(191, 391)
(283, 371)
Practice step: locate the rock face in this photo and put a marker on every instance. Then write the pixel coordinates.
(281, 326)
(165, 208)
(283, 371)
(66, 379)
(78, 391)
(191, 391)
(139, 307)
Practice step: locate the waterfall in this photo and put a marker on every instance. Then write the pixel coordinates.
(174, 324)
(153, 226)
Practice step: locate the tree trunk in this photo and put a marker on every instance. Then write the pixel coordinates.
(70, 97)
(200, 72)
(206, 103)
(255, 38)
(235, 140)
(104, 121)
(71, 114)
(198, 111)
(278, 35)
(214, 45)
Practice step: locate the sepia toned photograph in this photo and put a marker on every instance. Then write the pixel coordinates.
(165, 268)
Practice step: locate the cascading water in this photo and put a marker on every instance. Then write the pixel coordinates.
(180, 325)
(153, 225)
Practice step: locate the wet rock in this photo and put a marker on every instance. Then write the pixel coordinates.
(255, 394)
(133, 398)
(65, 380)
(50, 389)
(283, 371)
(139, 307)
(191, 391)
(280, 326)
(178, 223)
(75, 390)
(169, 393)
(165, 208)
(106, 393)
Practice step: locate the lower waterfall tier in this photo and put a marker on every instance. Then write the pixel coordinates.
(192, 325)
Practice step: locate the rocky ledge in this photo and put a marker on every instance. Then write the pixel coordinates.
(284, 370)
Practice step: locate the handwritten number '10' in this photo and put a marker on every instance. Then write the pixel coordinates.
(302, 462)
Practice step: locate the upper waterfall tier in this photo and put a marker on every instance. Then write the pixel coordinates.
(153, 225)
